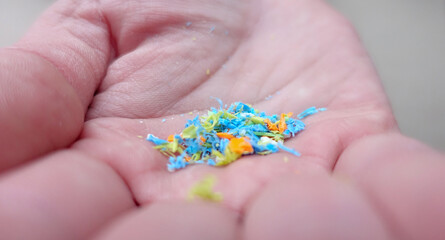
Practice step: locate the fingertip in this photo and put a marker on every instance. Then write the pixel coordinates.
(311, 207)
(404, 179)
(175, 221)
(372, 152)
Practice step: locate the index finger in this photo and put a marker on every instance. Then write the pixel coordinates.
(48, 80)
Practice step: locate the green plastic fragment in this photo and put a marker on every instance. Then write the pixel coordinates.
(211, 120)
(190, 132)
(170, 148)
(228, 157)
(264, 152)
(227, 115)
(257, 120)
(196, 156)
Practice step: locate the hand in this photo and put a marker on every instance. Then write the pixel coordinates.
(126, 65)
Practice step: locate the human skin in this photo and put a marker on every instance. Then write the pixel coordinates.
(92, 76)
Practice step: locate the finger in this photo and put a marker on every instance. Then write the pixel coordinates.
(311, 207)
(405, 181)
(63, 196)
(73, 35)
(39, 111)
(48, 80)
(175, 221)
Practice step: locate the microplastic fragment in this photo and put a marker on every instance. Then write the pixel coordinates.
(188, 24)
(204, 190)
(212, 29)
(208, 71)
(163, 120)
(224, 135)
(286, 159)
(310, 111)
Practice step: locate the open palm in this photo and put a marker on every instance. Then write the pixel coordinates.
(134, 63)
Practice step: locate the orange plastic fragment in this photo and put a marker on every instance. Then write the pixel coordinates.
(171, 138)
(290, 114)
(203, 139)
(224, 135)
(187, 159)
(240, 146)
(270, 125)
(282, 126)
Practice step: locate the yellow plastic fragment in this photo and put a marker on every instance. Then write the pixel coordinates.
(204, 190)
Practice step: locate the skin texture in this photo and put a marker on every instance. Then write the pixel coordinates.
(92, 76)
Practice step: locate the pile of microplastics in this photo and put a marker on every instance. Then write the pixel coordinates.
(224, 135)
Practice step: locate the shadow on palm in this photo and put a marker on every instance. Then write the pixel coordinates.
(301, 52)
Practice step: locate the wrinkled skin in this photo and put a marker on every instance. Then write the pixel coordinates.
(92, 76)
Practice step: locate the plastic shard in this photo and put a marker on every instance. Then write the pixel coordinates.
(204, 190)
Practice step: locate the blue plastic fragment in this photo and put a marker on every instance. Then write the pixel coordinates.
(290, 150)
(176, 163)
(219, 101)
(211, 162)
(155, 140)
(310, 111)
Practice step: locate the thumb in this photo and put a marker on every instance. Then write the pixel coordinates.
(47, 80)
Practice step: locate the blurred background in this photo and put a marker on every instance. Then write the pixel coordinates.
(405, 38)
